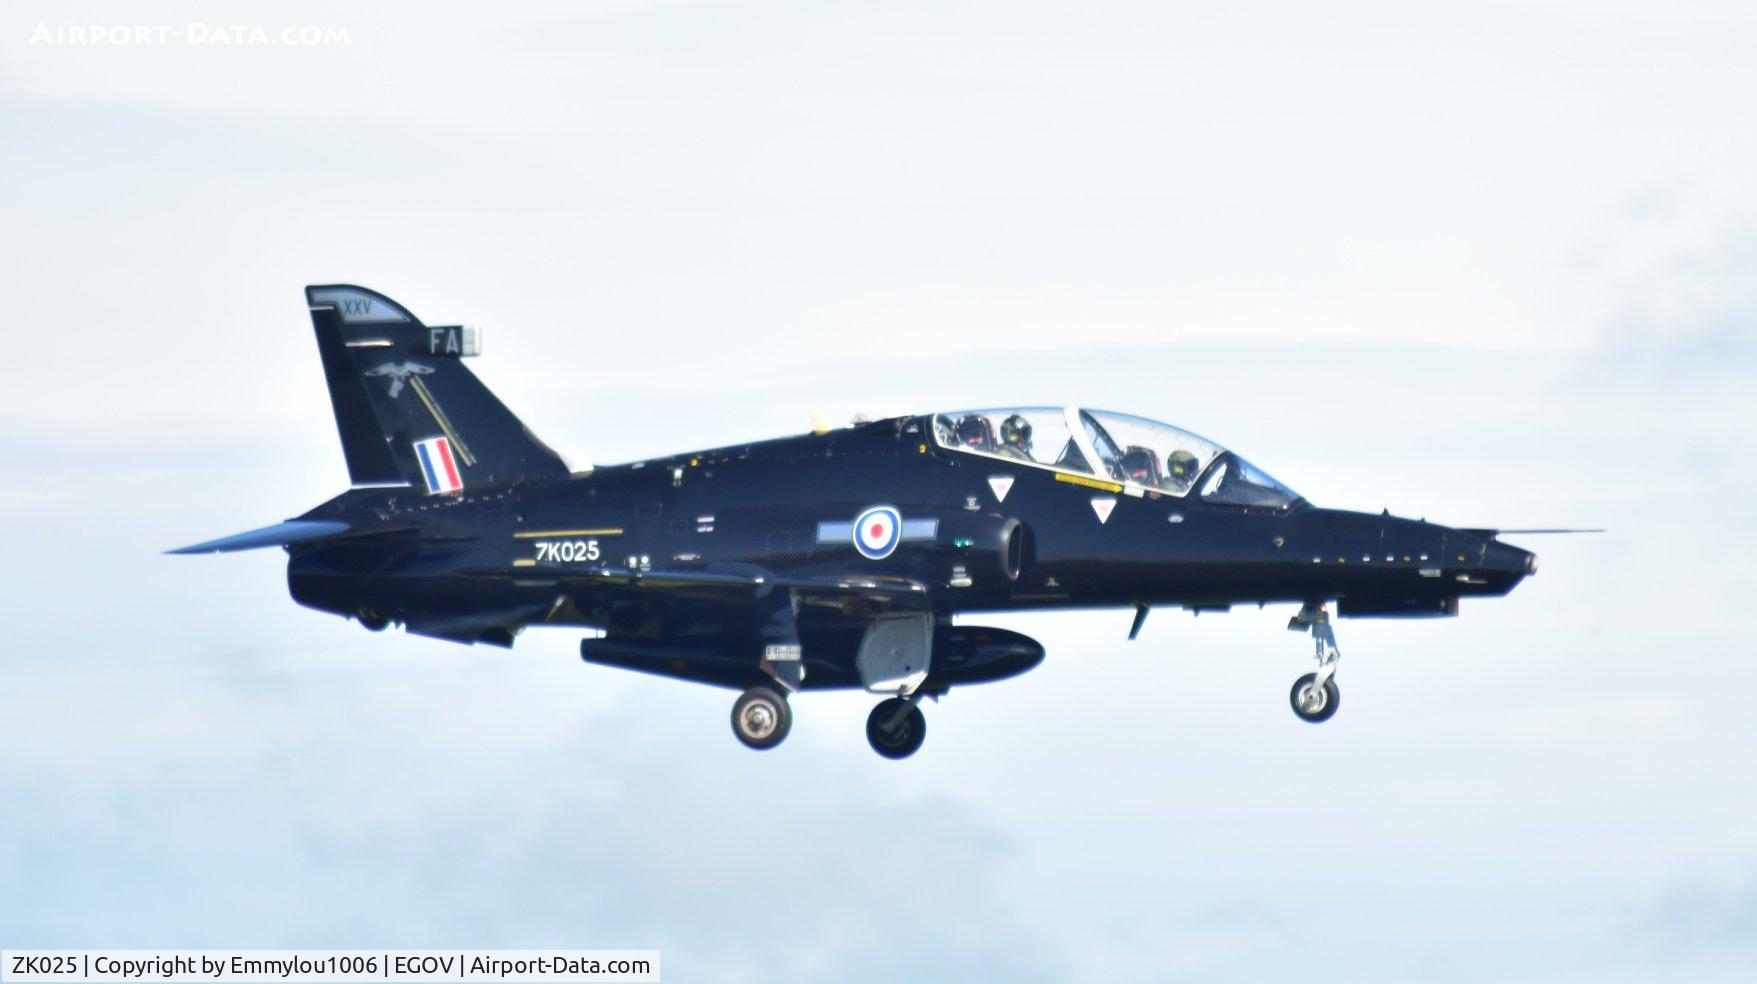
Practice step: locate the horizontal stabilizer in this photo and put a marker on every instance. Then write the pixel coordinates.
(278, 535)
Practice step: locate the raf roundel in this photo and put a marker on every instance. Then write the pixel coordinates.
(876, 532)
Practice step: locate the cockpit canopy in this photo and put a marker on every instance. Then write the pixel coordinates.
(1130, 450)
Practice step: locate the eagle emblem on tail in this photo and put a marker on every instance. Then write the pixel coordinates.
(397, 372)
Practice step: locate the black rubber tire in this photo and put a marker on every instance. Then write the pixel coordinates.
(371, 622)
(903, 741)
(749, 723)
(1324, 711)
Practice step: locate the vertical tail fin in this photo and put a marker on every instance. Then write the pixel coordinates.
(407, 409)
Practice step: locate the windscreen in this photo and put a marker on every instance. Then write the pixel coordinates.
(1237, 482)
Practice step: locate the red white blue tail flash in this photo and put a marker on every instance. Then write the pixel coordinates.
(438, 466)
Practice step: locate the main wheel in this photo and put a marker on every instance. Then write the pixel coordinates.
(901, 740)
(761, 718)
(1314, 703)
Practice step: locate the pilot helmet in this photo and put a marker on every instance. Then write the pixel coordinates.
(1139, 465)
(1180, 467)
(973, 432)
(1016, 430)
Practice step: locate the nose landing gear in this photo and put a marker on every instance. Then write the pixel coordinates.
(1315, 696)
(1313, 701)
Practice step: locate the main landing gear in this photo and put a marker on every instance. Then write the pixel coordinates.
(1314, 696)
(896, 727)
(761, 718)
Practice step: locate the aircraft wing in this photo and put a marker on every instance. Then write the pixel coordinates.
(733, 612)
(729, 586)
(761, 581)
(733, 595)
(750, 581)
(892, 589)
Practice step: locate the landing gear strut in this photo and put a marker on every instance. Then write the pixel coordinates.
(761, 718)
(1315, 696)
(896, 727)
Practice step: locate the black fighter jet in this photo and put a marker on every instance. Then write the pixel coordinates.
(840, 558)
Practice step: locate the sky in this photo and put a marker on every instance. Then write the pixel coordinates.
(1494, 264)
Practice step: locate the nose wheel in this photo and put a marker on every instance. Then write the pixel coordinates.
(761, 718)
(896, 728)
(1315, 696)
(1313, 701)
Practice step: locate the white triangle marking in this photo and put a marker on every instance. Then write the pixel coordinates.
(1001, 484)
(1102, 505)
